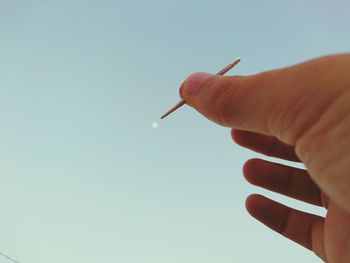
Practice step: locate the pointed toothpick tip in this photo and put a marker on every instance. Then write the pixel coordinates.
(236, 61)
(174, 108)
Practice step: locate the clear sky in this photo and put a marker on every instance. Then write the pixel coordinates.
(83, 175)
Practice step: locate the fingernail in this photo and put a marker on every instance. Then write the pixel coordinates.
(194, 83)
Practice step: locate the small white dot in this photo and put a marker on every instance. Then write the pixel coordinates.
(155, 125)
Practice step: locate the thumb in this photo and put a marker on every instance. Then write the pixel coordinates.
(283, 103)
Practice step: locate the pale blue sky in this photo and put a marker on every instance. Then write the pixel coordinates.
(85, 178)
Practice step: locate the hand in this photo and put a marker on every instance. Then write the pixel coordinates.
(299, 113)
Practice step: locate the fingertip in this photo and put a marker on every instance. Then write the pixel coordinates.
(193, 84)
(250, 201)
(246, 168)
(235, 135)
(214, 96)
(268, 212)
(243, 138)
(251, 170)
(181, 90)
(254, 204)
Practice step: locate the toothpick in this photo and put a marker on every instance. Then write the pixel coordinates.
(221, 72)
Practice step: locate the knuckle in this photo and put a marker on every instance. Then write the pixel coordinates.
(226, 94)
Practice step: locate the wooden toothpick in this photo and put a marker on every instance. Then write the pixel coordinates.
(221, 72)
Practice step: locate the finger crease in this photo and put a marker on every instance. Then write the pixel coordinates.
(287, 187)
(286, 223)
(272, 147)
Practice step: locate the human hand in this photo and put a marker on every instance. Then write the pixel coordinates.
(298, 113)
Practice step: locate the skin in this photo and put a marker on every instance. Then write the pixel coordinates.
(299, 113)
